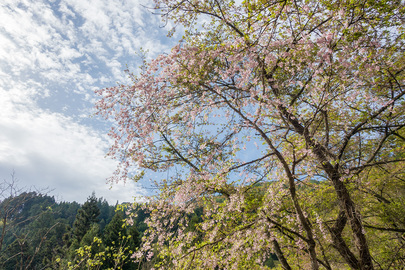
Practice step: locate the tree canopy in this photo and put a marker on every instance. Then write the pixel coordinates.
(38, 232)
(85, 217)
(284, 121)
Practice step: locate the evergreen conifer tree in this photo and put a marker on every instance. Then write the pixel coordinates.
(86, 216)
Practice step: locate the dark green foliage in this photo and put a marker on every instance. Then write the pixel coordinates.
(118, 235)
(140, 217)
(39, 229)
(135, 237)
(106, 213)
(68, 211)
(114, 230)
(29, 227)
(17, 254)
(86, 216)
(42, 232)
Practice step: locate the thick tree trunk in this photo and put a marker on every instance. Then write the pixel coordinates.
(347, 204)
(345, 201)
(340, 244)
(280, 256)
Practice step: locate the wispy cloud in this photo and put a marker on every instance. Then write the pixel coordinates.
(51, 150)
(53, 54)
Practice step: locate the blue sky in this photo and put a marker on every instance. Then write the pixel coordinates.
(53, 55)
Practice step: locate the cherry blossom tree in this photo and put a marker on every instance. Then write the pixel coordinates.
(274, 117)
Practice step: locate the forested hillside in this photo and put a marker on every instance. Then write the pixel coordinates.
(39, 233)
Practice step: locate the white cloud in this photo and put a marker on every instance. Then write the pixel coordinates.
(51, 150)
(53, 54)
(47, 37)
